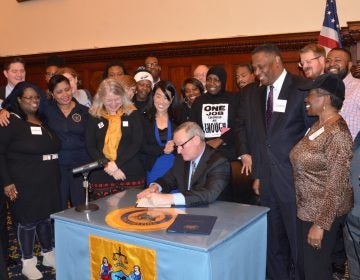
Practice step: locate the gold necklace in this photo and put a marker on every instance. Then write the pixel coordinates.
(328, 118)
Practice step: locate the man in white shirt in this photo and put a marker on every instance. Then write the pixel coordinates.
(199, 173)
(14, 71)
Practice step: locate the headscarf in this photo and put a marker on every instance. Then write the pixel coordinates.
(220, 73)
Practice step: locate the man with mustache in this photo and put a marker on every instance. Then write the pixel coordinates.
(338, 61)
(312, 60)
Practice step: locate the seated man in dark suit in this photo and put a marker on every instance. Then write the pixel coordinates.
(200, 174)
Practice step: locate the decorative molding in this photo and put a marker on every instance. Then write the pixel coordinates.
(178, 59)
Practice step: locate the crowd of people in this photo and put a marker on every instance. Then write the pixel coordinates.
(294, 136)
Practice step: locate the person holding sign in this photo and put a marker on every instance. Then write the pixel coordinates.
(215, 112)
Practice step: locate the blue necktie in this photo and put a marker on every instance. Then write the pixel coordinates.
(193, 168)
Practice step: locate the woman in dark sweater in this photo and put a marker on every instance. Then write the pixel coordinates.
(190, 90)
(159, 125)
(215, 112)
(29, 175)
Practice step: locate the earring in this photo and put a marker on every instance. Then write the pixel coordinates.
(324, 108)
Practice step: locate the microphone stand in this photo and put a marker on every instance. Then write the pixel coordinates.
(87, 207)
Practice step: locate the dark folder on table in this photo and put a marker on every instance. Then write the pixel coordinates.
(196, 224)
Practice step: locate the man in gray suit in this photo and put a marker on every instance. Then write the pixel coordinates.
(271, 120)
(199, 173)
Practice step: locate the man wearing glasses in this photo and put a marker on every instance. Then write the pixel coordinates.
(152, 65)
(199, 173)
(312, 60)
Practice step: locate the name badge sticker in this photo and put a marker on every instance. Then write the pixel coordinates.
(35, 130)
(316, 134)
(125, 123)
(100, 125)
(280, 105)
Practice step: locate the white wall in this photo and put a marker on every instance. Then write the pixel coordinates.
(39, 26)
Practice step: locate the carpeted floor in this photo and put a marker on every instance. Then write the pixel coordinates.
(49, 273)
(15, 271)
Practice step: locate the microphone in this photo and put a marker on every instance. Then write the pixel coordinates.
(90, 166)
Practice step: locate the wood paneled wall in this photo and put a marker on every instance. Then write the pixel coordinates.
(179, 59)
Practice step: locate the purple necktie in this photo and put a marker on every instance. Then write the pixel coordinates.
(269, 106)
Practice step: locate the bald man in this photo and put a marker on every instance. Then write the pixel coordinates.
(200, 73)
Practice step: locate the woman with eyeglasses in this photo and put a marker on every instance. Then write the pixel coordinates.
(29, 174)
(190, 90)
(67, 118)
(159, 125)
(114, 133)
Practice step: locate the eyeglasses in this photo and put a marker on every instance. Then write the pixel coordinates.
(301, 64)
(151, 65)
(183, 144)
(36, 97)
(50, 74)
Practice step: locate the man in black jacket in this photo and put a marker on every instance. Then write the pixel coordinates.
(272, 119)
(199, 173)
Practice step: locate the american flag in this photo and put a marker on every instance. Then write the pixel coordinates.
(330, 36)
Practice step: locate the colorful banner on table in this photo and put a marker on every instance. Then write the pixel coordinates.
(113, 260)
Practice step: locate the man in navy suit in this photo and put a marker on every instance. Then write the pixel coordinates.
(271, 120)
(199, 173)
(14, 71)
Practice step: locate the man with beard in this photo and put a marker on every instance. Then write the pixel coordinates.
(244, 75)
(312, 60)
(144, 85)
(338, 61)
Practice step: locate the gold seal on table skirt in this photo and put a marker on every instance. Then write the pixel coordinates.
(142, 219)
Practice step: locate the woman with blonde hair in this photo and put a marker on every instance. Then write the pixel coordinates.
(114, 132)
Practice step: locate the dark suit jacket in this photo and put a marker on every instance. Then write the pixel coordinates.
(211, 177)
(128, 159)
(2, 94)
(150, 148)
(270, 147)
